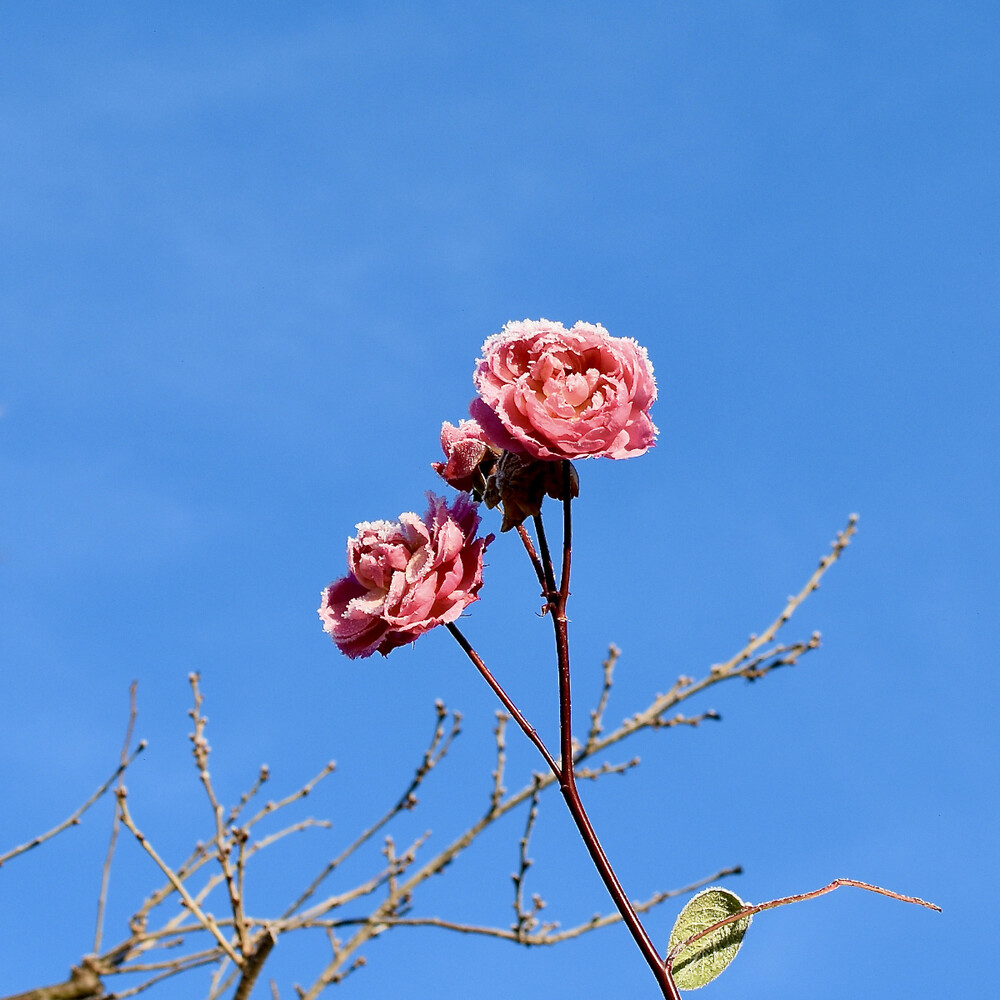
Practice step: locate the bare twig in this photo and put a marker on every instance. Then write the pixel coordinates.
(392, 882)
(685, 720)
(115, 823)
(168, 974)
(301, 793)
(195, 958)
(308, 918)
(525, 919)
(223, 840)
(593, 773)
(435, 752)
(499, 733)
(756, 642)
(74, 818)
(222, 979)
(271, 838)
(263, 776)
(206, 920)
(597, 714)
(751, 663)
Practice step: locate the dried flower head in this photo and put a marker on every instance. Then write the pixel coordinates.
(519, 484)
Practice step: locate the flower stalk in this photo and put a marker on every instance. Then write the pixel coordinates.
(556, 601)
(567, 782)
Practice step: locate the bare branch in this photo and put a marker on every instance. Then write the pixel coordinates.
(593, 773)
(206, 920)
(223, 841)
(83, 983)
(301, 793)
(439, 745)
(198, 857)
(499, 734)
(525, 919)
(548, 935)
(263, 944)
(263, 775)
(597, 714)
(756, 642)
(74, 818)
(102, 896)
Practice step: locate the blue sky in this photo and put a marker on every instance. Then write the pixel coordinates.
(250, 253)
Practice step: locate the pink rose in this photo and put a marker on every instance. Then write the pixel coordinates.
(470, 458)
(405, 577)
(555, 393)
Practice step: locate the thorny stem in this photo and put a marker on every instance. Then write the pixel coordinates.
(567, 783)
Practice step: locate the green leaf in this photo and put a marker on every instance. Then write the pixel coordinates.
(701, 962)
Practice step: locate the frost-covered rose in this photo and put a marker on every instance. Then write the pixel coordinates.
(553, 393)
(405, 577)
(470, 459)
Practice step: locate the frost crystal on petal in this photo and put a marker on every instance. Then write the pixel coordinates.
(405, 577)
(552, 393)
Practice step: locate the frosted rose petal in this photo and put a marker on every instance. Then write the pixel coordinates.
(417, 573)
(554, 393)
